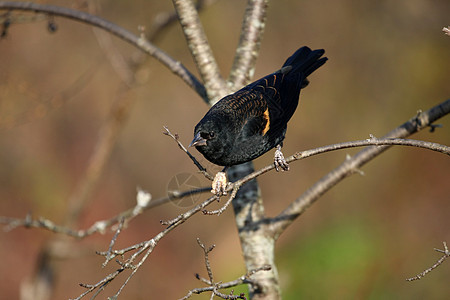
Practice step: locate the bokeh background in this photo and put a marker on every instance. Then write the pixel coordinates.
(387, 59)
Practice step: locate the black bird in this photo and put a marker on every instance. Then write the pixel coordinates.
(243, 126)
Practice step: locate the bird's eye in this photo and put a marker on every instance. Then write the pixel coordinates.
(211, 134)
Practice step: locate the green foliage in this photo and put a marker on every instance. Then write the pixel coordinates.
(333, 263)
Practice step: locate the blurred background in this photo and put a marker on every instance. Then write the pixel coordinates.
(387, 60)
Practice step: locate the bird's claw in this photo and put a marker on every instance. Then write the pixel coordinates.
(280, 161)
(219, 184)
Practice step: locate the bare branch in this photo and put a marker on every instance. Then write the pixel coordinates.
(229, 296)
(175, 137)
(296, 208)
(207, 263)
(138, 41)
(249, 43)
(113, 240)
(145, 248)
(135, 268)
(215, 287)
(372, 141)
(437, 264)
(100, 285)
(183, 217)
(99, 226)
(201, 52)
(218, 212)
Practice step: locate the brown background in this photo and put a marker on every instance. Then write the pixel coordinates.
(387, 59)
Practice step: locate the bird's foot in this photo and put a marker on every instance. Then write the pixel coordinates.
(280, 161)
(219, 184)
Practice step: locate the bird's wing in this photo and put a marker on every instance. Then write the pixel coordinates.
(268, 89)
(249, 111)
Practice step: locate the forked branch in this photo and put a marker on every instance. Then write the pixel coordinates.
(215, 287)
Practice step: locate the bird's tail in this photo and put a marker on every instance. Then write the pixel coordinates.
(296, 69)
(301, 64)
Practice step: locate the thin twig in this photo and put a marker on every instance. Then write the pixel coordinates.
(175, 137)
(218, 212)
(206, 252)
(244, 279)
(113, 241)
(99, 226)
(230, 296)
(437, 264)
(101, 284)
(135, 269)
(183, 217)
(43, 223)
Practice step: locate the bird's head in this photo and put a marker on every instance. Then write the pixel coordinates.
(212, 139)
(205, 134)
(201, 138)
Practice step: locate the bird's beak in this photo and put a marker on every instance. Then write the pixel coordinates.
(198, 141)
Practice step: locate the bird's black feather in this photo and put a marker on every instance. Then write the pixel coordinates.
(242, 126)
